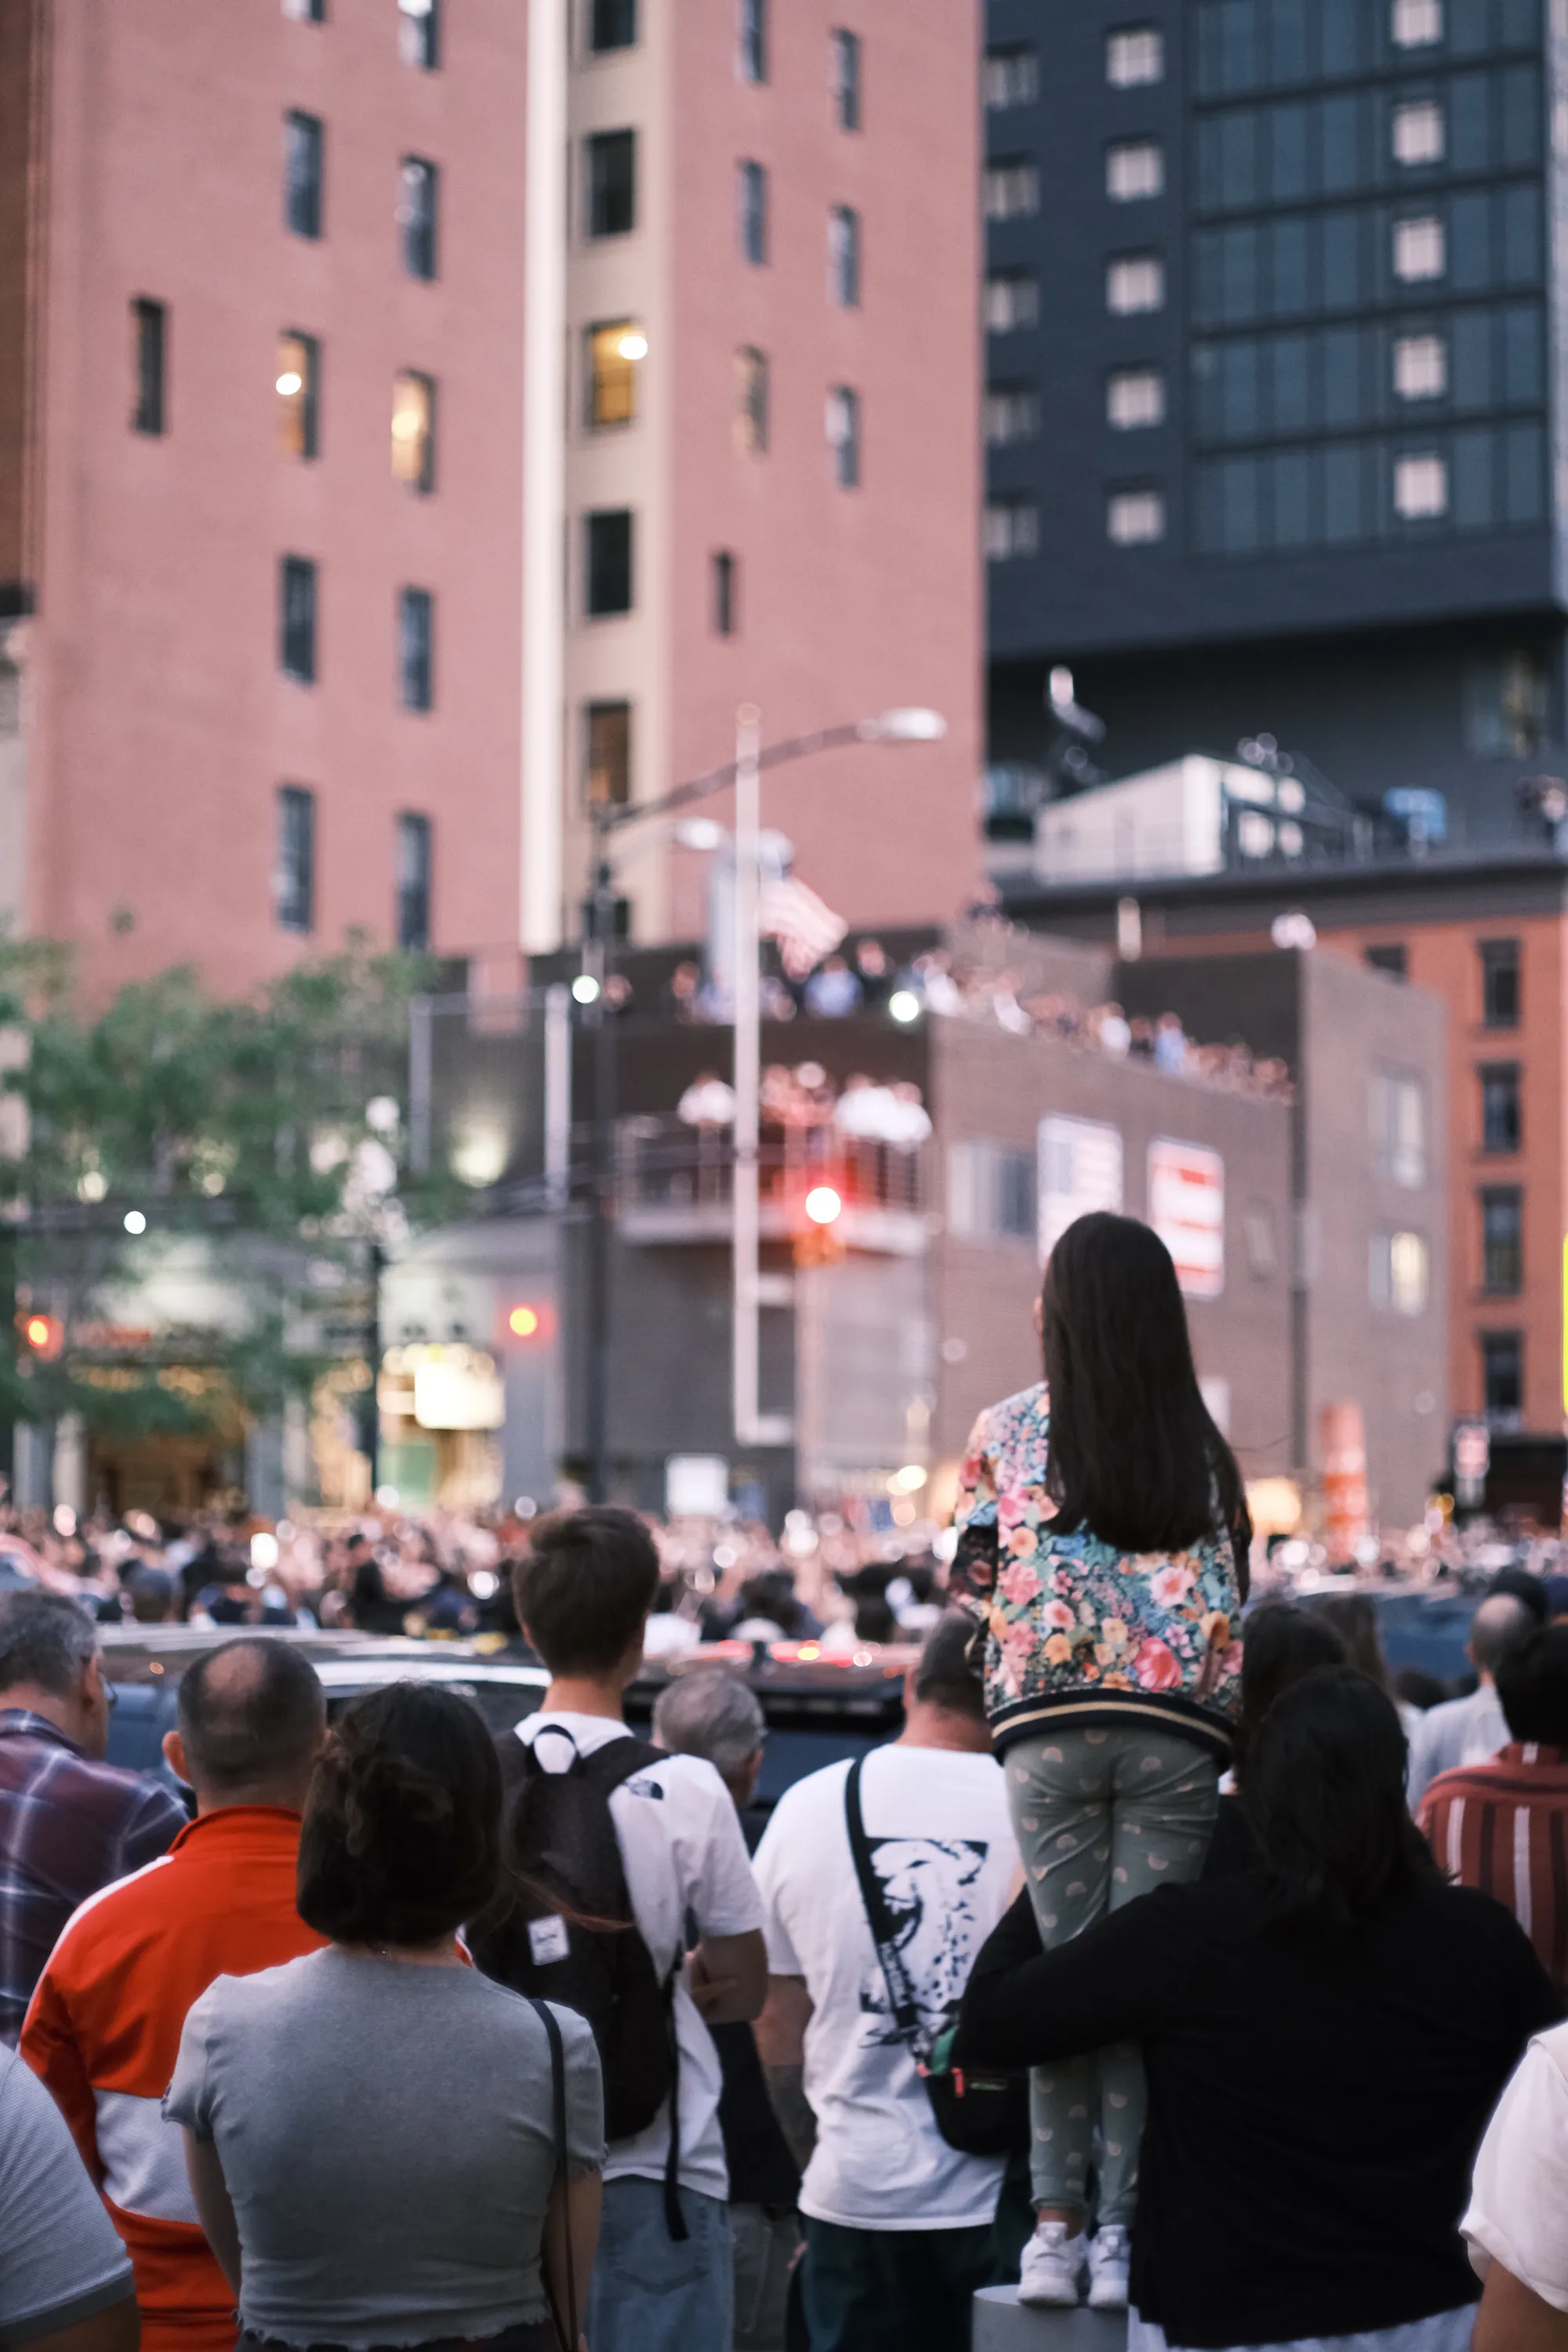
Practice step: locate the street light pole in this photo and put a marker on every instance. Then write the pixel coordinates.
(746, 1200)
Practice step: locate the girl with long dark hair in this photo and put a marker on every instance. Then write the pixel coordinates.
(1102, 1537)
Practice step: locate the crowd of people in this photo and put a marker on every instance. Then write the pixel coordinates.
(1154, 1965)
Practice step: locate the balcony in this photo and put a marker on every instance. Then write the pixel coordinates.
(674, 1185)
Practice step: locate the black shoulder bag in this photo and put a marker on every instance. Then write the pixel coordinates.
(565, 2323)
(979, 2114)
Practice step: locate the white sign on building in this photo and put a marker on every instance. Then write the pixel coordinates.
(1186, 1209)
(1079, 1169)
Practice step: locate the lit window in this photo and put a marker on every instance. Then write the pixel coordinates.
(1135, 517)
(294, 875)
(611, 160)
(843, 426)
(1012, 301)
(751, 402)
(611, 25)
(1134, 168)
(1135, 283)
(1397, 1101)
(844, 256)
(299, 395)
(845, 54)
(752, 195)
(1010, 78)
(418, 183)
(413, 868)
(1012, 529)
(725, 580)
(1416, 24)
(1417, 132)
(753, 57)
(1420, 249)
(414, 430)
(615, 353)
(1400, 1271)
(297, 619)
(1420, 367)
(607, 754)
(1135, 58)
(1134, 397)
(419, 33)
(149, 362)
(302, 173)
(607, 563)
(416, 649)
(306, 12)
(1012, 414)
(1011, 189)
(1421, 486)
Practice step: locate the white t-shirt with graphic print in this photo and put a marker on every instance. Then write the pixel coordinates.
(942, 1846)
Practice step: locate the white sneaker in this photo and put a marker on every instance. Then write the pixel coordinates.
(1052, 2265)
(1108, 2269)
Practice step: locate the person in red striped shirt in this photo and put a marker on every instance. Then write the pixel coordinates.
(1503, 1826)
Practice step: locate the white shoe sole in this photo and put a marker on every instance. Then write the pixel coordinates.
(1106, 2294)
(1046, 2299)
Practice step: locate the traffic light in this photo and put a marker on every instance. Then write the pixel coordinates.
(42, 1336)
(530, 1321)
(819, 1241)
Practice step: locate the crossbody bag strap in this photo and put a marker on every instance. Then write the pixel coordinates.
(569, 2333)
(906, 2013)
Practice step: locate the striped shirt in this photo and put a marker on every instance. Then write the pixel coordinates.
(1503, 1827)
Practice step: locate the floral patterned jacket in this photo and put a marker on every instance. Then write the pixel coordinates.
(1077, 1630)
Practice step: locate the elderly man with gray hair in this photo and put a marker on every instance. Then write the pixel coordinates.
(69, 1823)
(1471, 1730)
(707, 1711)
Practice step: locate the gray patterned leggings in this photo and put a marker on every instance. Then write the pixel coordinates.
(1101, 1817)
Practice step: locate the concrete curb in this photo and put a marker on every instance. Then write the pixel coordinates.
(1002, 2323)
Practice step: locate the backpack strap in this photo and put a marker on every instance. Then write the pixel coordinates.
(900, 1995)
(541, 2009)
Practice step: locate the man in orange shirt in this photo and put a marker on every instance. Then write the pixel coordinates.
(103, 2029)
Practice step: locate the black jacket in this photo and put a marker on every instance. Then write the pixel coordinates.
(1313, 2113)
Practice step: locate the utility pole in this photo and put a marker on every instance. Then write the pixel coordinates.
(746, 1206)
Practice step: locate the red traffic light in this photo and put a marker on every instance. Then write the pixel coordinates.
(823, 1204)
(42, 1335)
(529, 1320)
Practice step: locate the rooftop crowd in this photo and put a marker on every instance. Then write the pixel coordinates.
(1153, 1964)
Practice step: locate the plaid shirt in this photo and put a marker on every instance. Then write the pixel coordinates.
(67, 1826)
(1503, 1826)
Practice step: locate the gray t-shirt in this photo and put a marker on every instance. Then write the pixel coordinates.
(386, 2133)
(60, 2261)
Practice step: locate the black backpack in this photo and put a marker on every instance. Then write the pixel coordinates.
(562, 1929)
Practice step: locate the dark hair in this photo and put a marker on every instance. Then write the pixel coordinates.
(587, 1583)
(1354, 1620)
(1279, 1645)
(1532, 1685)
(250, 1711)
(1135, 1457)
(46, 1639)
(949, 1673)
(1413, 1687)
(1325, 1796)
(402, 1835)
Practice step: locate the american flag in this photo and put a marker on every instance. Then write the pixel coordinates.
(804, 927)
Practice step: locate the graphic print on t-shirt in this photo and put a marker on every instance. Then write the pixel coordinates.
(925, 1885)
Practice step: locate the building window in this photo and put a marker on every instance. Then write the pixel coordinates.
(414, 883)
(1135, 517)
(1398, 1119)
(1503, 1378)
(294, 875)
(1501, 994)
(297, 619)
(1012, 414)
(1420, 249)
(1416, 24)
(149, 365)
(1135, 58)
(751, 402)
(1134, 168)
(306, 12)
(1012, 529)
(416, 649)
(1508, 699)
(1135, 283)
(751, 57)
(299, 386)
(1421, 486)
(844, 256)
(1134, 397)
(843, 423)
(607, 754)
(845, 81)
(414, 430)
(611, 162)
(1500, 1118)
(726, 586)
(303, 147)
(615, 352)
(1011, 189)
(990, 1192)
(607, 563)
(419, 33)
(1416, 134)
(1400, 1270)
(1391, 959)
(1502, 1241)
(1010, 78)
(611, 25)
(751, 193)
(418, 204)
(1012, 301)
(1420, 367)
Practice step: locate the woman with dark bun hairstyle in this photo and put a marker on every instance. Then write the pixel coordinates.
(385, 2146)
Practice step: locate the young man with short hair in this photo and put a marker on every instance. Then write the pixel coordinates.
(104, 2027)
(582, 1598)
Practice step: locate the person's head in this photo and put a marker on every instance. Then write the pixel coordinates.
(49, 1664)
(771, 1594)
(944, 1694)
(151, 1594)
(1135, 1454)
(712, 1712)
(1523, 1586)
(1279, 1645)
(252, 1718)
(584, 1591)
(1532, 1686)
(1502, 1624)
(1325, 1795)
(402, 1834)
(1354, 1620)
